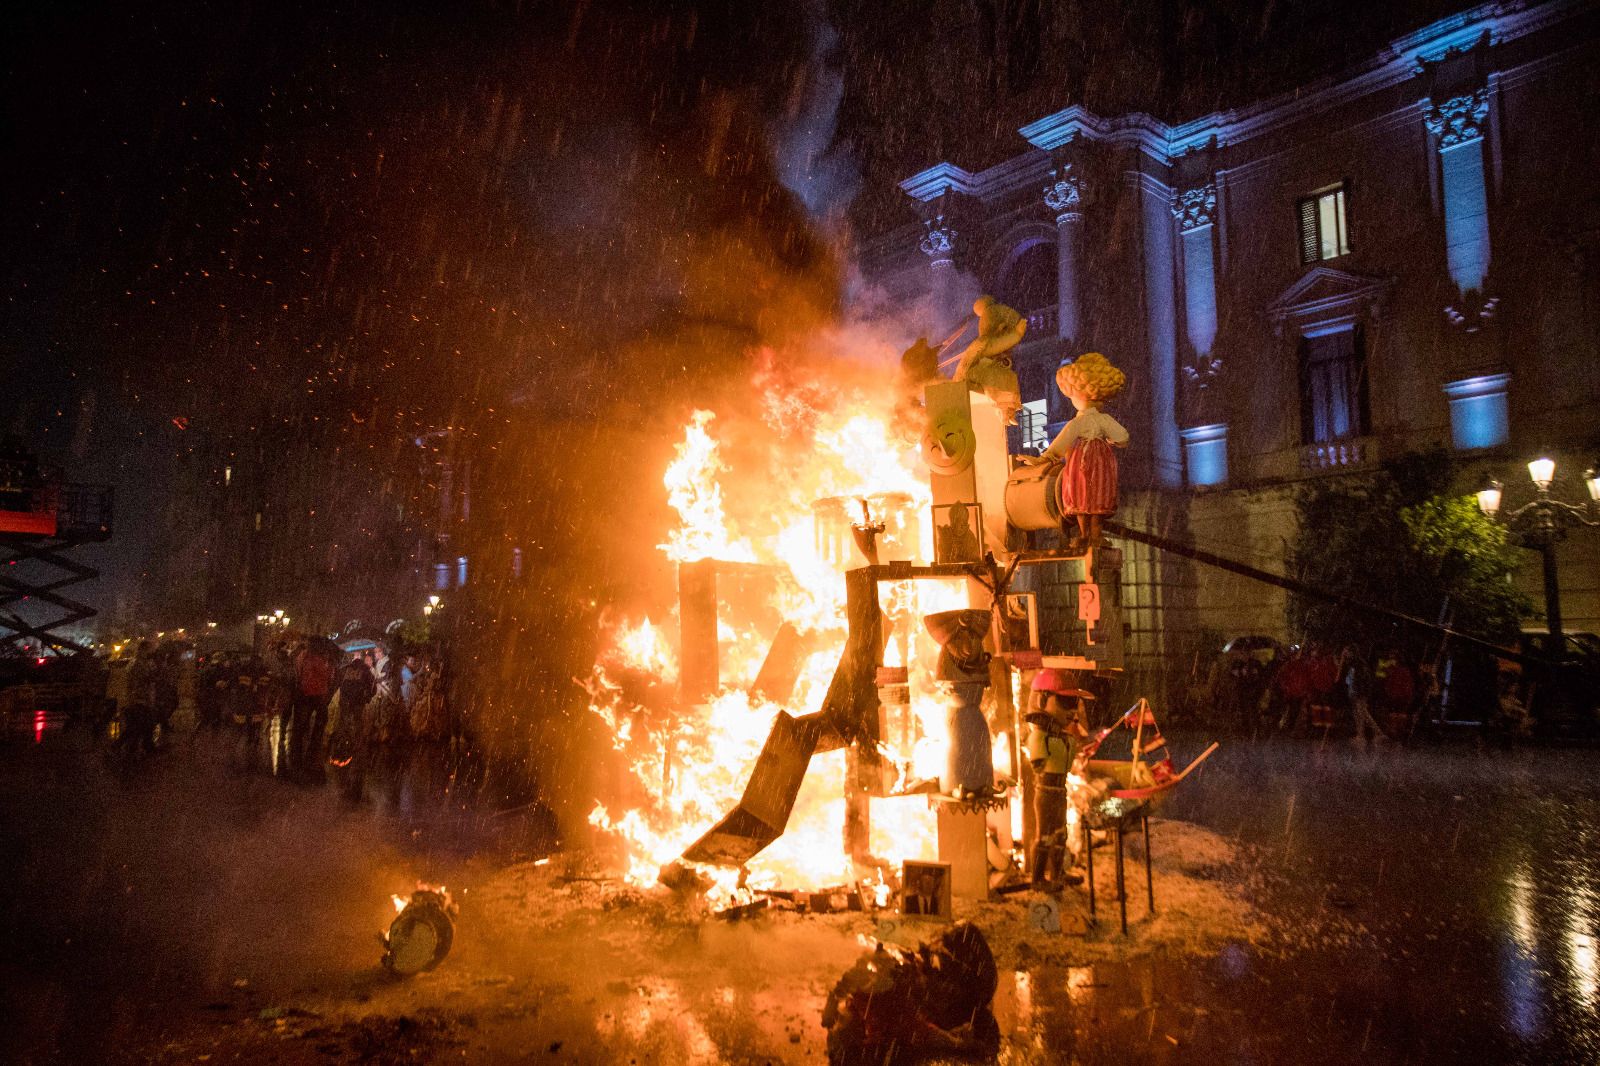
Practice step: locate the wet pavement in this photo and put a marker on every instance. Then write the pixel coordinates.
(1432, 905)
(1476, 874)
(1473, 877)
(130, 890)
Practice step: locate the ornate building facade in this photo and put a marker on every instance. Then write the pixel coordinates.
(1400, 258)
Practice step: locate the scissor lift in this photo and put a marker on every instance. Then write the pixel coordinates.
(41, 520)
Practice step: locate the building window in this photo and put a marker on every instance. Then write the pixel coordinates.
(1323, 230)
(1033, 425)
(1333, 385)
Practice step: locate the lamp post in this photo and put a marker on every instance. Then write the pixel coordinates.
(266, 624)
(1541, 524)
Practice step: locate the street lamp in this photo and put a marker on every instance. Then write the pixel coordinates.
(1489, 498)
(1541, 524)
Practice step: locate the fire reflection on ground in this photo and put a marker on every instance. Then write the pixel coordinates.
(1429, 906)
(655, 1013)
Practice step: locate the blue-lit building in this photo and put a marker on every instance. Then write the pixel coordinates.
(1402, 257)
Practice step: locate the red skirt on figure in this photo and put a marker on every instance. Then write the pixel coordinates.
(1089, 479)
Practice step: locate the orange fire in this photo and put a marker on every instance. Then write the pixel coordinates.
(687, 764)
(695, 493)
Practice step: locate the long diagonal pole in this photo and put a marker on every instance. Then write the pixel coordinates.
(1300, 588)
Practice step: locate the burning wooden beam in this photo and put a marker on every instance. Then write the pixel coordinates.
(698, 674)
(780, 670)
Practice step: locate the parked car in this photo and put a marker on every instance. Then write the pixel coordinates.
(46, 693)
(1566, 702)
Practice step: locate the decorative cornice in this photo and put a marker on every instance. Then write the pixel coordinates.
(1324, 294)
(1401, 62)
(937, 180)
(1135, 130)
(1403, 59)
(1063, 194)
(1194, 208)
(939, 241)
(1459, 120)
(1204, 434)
(1482, 385)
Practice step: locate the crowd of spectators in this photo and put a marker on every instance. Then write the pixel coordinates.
(1376, 696)
(306, 707)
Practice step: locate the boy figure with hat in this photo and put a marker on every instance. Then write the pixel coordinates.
(1057, 727)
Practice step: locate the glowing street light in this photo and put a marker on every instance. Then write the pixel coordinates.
(1489, 498)
(1540, 525)
(1543, 471)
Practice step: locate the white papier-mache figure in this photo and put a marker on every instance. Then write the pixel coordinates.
(963, 668)
(984, 365)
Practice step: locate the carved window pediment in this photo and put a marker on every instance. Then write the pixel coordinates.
(1324, 294)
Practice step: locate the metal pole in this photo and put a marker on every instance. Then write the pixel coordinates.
(1552, 598)
(1189, 551)
(1149, 874)
(1088, 858)
(1122, 886)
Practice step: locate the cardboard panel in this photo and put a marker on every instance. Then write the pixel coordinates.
(768, 798)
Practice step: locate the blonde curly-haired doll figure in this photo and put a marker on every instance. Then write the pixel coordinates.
(1089, 478)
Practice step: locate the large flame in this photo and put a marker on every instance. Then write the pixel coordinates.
(695, 493)
(841, 462)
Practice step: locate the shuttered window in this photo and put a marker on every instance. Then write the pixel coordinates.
(1323, 230)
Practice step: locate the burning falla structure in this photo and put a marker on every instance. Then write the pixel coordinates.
(853, 633)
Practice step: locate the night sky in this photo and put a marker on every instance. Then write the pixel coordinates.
(316, 230)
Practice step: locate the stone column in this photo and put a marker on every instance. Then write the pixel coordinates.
(1206, 453)
(1062, 196)
(1457, 126)
(1161, 333)
(939, 245)
(1205, 446)
(1196, 211)
(1480, 416)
